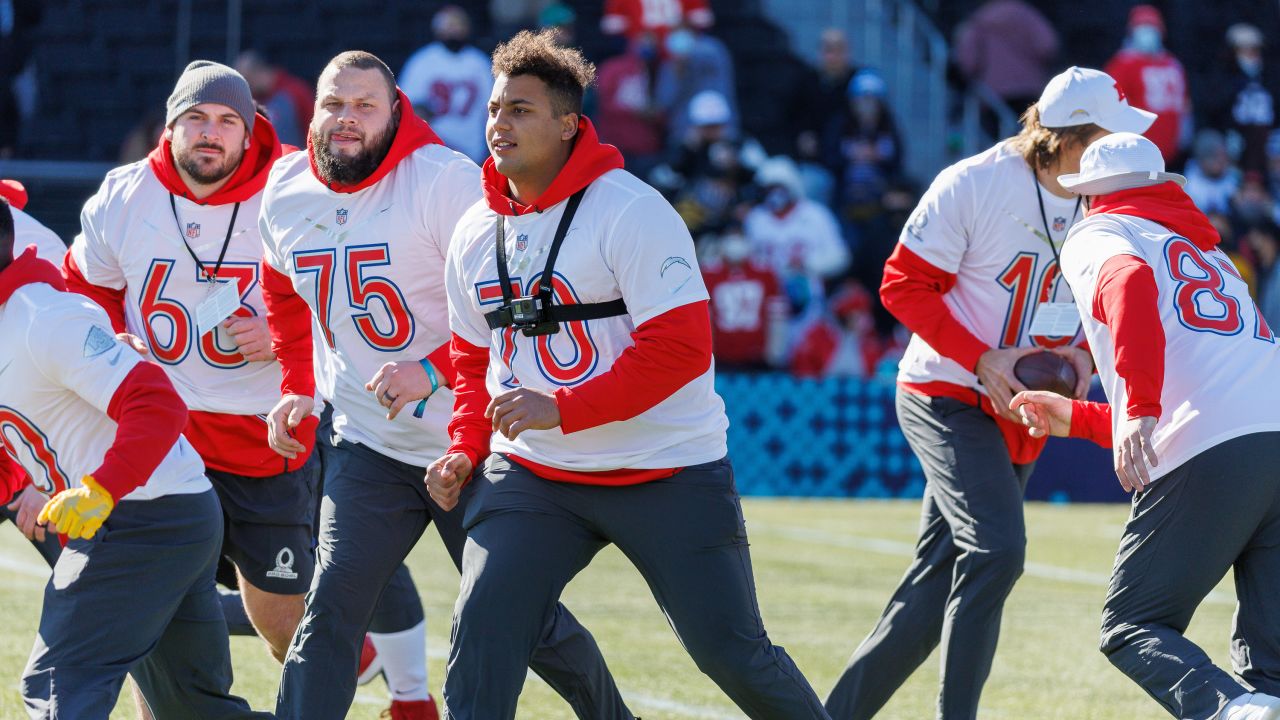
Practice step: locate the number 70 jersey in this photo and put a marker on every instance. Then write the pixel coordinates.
(1221, 361)
(370, 265)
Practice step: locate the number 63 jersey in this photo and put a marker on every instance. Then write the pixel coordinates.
(1220, 358)
(370, 265)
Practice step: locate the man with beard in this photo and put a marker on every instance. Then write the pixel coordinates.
(367, 215)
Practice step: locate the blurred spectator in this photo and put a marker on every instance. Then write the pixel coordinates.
(694, 62)
(828, 96)
(143, 137)
(1007, 45)
(709, 178)
(287, 99)
(562, 19)
(1252, 202)
(841, 342)
(748, 309)
(626, 116)
(448, 82)
(18, 21)
(1241, 96)
(868, 151)
(1153, 79)
(1263, 239)
(796, 237)
(630, 18)
(511, 16)
(1211, 180)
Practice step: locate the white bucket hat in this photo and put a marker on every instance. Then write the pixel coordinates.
(1118, 162)
(1079, 95)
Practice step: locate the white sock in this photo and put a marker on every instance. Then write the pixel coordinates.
(1235, 705)
(404, 661)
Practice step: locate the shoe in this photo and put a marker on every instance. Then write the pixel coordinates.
(412, 710)
(1258, 706)
(370, 663)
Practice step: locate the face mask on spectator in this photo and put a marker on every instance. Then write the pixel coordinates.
(777, 199)
(680, 43)
(735, 248)
(1146, 39)
(1250, 64)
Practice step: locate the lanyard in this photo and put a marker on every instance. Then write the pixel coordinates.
(1048, 236)
(212, 276)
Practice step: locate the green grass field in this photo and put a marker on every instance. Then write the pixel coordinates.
(824, 571)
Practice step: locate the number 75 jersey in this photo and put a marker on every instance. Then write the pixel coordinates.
(370, 265)
(1221, 364)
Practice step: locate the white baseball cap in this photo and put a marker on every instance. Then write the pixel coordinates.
(1119, 161)
(709, 108)
(1082, 95)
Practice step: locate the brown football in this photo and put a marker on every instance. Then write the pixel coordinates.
(1046, 371)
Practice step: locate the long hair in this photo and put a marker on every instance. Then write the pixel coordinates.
(1041, 146)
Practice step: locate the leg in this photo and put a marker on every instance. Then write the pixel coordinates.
(699, 570)
(908, 629)
(1255, 646)
(372, 514)
(270, 540)
(523, 548)
(1182, 536)
(167, 545)
(567, 656)
(399, 633)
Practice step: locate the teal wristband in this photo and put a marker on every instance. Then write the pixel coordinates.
(435, 385)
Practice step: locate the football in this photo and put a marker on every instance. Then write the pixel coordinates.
(1046, 371)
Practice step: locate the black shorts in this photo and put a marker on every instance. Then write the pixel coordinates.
(270, 526)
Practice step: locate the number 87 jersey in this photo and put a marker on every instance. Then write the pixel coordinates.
(369, 263)
(1220, 356)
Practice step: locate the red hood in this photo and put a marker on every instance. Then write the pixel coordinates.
(413, 133)
(589, 160)
(248, 179)
(14, 192)
(27, 269)
(1166, 204)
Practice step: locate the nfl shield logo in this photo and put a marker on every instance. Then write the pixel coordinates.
(341, 216)
(1059, 223)
(193, 230)
(522, 241)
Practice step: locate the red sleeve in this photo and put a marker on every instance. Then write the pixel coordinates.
(1126, 301)
(13, 477)
(441, 358)
(912, 290)
(149, 417)
(108, 299)
(289, 320)
(1091, 421)
(469, 429)
(669, 352)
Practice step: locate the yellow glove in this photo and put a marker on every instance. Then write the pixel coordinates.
(78, 513)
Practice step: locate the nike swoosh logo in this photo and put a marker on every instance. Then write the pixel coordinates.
(115, 358)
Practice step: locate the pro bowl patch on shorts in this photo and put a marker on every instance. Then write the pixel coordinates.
(284, 566)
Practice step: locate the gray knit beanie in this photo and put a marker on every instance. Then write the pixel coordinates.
(205, 81)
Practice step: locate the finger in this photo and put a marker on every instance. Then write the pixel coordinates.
(239, 325)
(1121, 475)
(1149, 449)
(377, 377)
(502, 399)
(46, 511)
(500, 413)
(15, 505)
(296, 416)
(508, 419)
(1140, 469)
(37, 533)
(517, 427)
(398, 405)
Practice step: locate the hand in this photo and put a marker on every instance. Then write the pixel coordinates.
(995, 372)
(285, 416)
(1082, 361)
(251, 336)
(1043, 412)
(397, 384)
(134, 342)
(28, 503)
(523, 409)
(1133, 451)
(445, 478)
(78, 512)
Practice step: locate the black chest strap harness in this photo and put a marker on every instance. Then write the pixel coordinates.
(535, 314)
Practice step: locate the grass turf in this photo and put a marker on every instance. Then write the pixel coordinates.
(824, 570)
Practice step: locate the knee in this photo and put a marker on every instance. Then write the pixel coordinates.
(1115, 635)
(1002, 563)
(276, 618)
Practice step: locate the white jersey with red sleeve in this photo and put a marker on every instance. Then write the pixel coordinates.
(1220, 357)
(132, 242)
(370, 266)
(627, 242)
(60, 366)
(29, 231)
(453, 87)
(979, 223)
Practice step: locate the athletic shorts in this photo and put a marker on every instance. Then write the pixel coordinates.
(269, 525)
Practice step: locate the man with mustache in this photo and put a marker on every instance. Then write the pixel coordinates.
(355, 233)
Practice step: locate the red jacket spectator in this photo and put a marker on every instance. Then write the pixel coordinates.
(627, 117)
(746, 304)
(1152, 79)
(635, 17)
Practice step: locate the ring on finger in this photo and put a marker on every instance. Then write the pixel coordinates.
(388, 397)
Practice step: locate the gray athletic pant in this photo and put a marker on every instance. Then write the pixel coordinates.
(139, 598)
(373, 512)
(970, 553)
(527, 537)
(1218, 510)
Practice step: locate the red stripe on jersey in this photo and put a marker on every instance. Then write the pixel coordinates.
(1091, 421)
(614, 478)
(1022, 447)
(289, 320)
(912, 291)
(1126, 300)
(149, 417)
(108, 299)
(237, 444)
